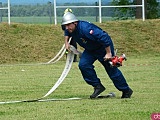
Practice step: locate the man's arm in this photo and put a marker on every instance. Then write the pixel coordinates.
(108, 53)
(67, 45)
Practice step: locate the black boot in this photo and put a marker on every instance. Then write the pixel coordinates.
(97, 90)
(127, 94)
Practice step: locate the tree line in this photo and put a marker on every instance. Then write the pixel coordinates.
(152, 9)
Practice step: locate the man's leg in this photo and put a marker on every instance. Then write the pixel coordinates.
(118, 79)
(89, 74)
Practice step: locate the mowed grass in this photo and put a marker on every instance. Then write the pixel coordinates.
(32, 44)
(23, 82)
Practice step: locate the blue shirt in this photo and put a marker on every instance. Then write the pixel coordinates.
(90, 36)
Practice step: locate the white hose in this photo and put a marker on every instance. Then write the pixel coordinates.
(68, 65)
(62, 49)
(63, 52)
(69, 61)
(59, 54)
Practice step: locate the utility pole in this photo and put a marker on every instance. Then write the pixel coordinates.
(0, 12)
(139, 10)
(50, 11)
(96, 4)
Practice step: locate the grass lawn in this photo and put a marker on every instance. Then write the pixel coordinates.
(35, 43)
(19, 82)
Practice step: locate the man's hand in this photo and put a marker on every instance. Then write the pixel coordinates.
(108, 56)
(67, 40)
(67, 46)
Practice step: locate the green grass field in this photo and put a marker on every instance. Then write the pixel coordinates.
(21, 82)
(46, 20)
(24, 44)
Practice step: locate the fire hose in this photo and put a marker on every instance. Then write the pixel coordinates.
(69, 61)
(115, 61)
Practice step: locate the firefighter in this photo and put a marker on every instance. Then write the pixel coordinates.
(97, 45)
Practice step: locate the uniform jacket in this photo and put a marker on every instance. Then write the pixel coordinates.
(90, 36)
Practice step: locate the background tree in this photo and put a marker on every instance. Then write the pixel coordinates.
(151, 8)
(124, 12)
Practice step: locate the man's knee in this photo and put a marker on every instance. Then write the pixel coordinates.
(85, 66)
(81, 66)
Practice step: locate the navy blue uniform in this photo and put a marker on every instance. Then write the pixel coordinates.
(94, 40)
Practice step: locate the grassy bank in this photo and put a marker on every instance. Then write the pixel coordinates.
(21, 43)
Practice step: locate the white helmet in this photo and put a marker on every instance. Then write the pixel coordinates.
(68, 18)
